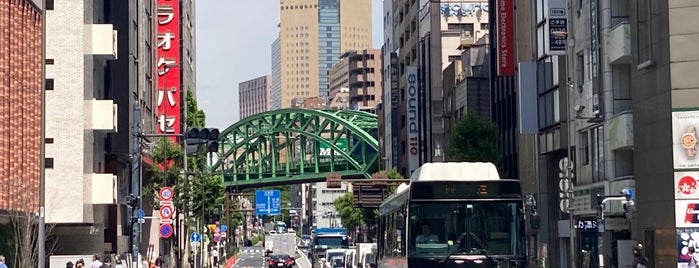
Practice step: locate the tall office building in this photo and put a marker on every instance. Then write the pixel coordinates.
(313, 33)
(254, 96)
(20, 106)
(188, 48)
(275, 91)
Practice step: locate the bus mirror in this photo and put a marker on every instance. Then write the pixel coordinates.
(534, 220)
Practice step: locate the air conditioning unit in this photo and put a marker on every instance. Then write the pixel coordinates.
(595, 104)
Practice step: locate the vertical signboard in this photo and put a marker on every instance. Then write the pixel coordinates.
(556, 27)
(506, 37)
(394, 111)
(412, 116)
(168, 54)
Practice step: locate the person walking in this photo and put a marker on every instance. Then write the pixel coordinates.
(2, 262)
(640, 261)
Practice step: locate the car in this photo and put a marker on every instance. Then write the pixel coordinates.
(284, 261)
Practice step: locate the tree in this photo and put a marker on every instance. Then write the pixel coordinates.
(474, 139)
(351, 216)
(24, 222)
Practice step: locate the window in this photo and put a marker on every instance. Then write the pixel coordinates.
(49, 61)
(580, 70)
(454, 58)
(48, 140)
(48, 162)
(49, 84)
(584, 144)
(597, 153)
(644, 32)
(484, 26)
(49, 5)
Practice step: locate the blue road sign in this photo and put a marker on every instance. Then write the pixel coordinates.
(628, 192)
(141, 214)
(223, 227)
(268, 202)
(195, 237)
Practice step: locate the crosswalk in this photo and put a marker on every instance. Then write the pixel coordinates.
(252, 250)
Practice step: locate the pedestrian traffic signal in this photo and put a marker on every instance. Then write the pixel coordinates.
(208, 136)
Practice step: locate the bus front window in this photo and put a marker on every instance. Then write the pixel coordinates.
(466, 228)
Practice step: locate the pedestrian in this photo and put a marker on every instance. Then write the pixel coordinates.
(158, 262)
(2, 262)
(107, 263)
(640, 261)
(96, 263)
(80, 263)
(69, 264)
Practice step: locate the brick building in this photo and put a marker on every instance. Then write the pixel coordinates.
(20, 104)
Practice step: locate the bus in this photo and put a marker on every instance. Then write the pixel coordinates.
(453, 215)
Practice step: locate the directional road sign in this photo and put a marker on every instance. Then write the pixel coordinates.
(195, 237)
(166, 193)
(268, 202)
(141, 214)
(166, 212)
(223, 227)
(166, 230)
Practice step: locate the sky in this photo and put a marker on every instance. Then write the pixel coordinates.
(233, 44)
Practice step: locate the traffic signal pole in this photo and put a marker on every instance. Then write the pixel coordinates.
(625, 195)
(134, 198)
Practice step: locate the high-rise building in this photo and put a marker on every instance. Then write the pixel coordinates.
(89, 162)
(313, 33)
(20, 105)
(357, 71)
(276, 87)
(424, 37)
(188, 48)
(254, 95)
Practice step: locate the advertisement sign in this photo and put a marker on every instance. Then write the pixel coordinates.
(686, 185)
(687, 213)
(506, 37)
(556, 28)
(168, 80)
(686, 237)
(395, 126)
(413, 115)
(684, 139)
(326, 151)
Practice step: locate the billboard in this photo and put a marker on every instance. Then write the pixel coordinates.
(412, 116)
(684, 139)
(168, 80)
(556, 27)
(326, 151)
(395, 127)
(506, 37)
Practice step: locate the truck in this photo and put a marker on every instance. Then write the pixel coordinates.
(324, 239)
(366, 255)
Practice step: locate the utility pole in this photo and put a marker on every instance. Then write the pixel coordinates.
(135, 196)
(626, 195)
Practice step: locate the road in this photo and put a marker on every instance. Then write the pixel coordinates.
(254, 257)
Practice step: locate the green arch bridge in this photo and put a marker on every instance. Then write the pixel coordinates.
(291, 146)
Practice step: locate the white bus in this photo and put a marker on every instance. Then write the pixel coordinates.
(453, 215)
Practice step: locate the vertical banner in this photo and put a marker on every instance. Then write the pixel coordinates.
(413, 115)
(168, 95)
(556, 27)
(395, 154)
(506, 37)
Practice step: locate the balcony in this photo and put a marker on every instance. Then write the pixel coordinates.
(621, 131)
(101, 41)
(101, 188)
(101, 115)
(619, 44)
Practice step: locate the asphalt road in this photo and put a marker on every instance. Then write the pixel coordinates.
(251, 257)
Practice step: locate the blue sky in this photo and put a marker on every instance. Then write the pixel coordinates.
(233, 45)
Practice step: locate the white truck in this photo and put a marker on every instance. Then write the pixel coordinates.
(366, 253)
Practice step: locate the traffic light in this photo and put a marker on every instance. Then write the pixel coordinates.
(208, 136)
(629, 209)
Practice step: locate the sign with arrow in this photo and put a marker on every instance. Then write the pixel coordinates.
(268, 202)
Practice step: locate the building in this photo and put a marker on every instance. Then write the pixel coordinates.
(276, 88)
(20, 106)
(254, 96)
(339, 99)
(356, 71)
(425, 37)
(466, 87)
(188, 48)
(312, 35)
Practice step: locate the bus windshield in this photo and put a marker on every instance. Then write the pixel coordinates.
(438, 228)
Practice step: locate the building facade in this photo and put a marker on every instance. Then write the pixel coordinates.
(20, 105)
(276, 87)
(424, 37)
(312, 35)
(254, 96)
(357, 71)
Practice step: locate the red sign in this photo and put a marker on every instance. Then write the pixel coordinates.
(506, 37)
(166, 212)
(166, 194)
(168, 95)
(166, 230)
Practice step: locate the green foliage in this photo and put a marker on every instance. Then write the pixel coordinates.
(351, 217)
(474, 139)
(165, 151)
(392, 174)
(195, 117)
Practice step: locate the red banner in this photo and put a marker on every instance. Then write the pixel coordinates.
(168, 95)
(506, 37)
